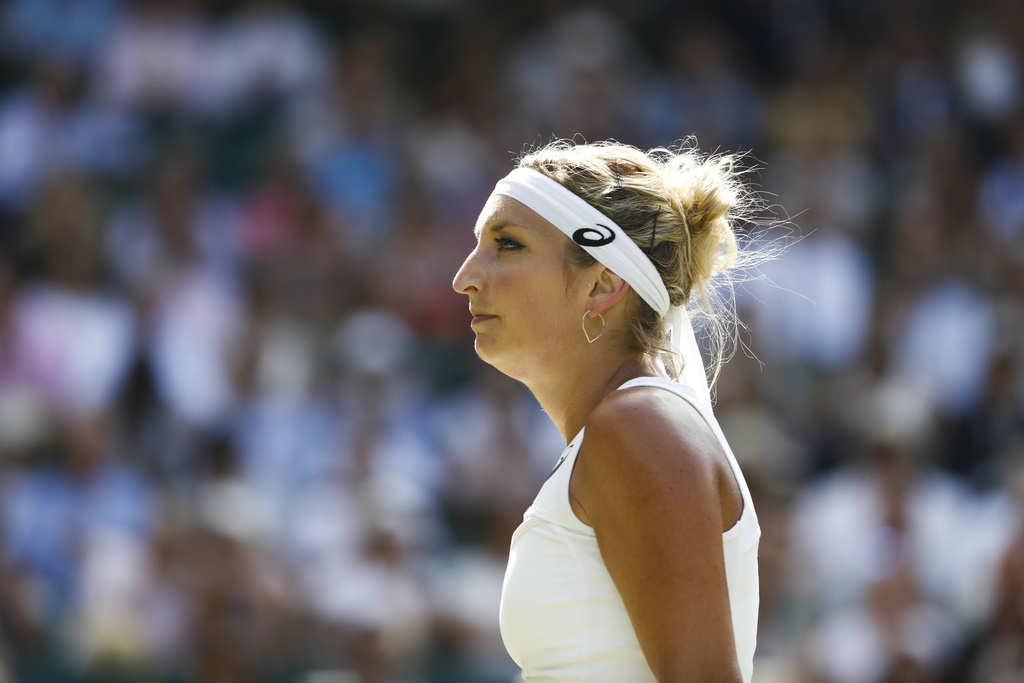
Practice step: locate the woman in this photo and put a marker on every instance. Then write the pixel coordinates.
(638, 559)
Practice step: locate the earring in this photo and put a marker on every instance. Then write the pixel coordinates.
(584, 323)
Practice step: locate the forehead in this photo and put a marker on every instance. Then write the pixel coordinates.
(502, 211)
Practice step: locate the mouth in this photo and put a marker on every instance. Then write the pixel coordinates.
(480, 317)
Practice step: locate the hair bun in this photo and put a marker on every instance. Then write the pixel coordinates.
(705, 194)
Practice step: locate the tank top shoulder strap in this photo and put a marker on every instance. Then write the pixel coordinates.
(552, 501)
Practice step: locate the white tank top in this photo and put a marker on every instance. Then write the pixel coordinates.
(562, 618)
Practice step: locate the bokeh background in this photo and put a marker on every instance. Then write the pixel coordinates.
(243, 434)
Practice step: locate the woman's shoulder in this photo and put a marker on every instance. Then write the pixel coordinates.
(649, 455)
(649, 428)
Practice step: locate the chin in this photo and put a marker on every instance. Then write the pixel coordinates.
(485, 351)
(496, 359)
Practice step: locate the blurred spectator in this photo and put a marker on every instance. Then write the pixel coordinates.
(381, 601)
(574, 76)
(73, 334)
(818, 304)
(702, 89)
(266, 54)
(156, 59)
(35, 30)
(466, 591)
(944, 347)
(990, 77)
(995, 653)
(872, 548)
(1000, 202)
(55, 513)
(24, 416)
(895, 636)
(47, 125)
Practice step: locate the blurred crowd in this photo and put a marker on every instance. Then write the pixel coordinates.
(244, 435)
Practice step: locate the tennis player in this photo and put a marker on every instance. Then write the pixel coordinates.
(637, 561)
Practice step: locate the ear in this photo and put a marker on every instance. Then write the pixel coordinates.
(608, 289)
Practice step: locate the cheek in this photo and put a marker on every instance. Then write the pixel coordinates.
(533, 299)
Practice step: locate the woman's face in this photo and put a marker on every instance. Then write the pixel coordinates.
(525, 315)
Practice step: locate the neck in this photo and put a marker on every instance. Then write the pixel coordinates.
(570, 395)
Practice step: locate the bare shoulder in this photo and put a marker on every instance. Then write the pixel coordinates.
(644, 445)
(650, 427)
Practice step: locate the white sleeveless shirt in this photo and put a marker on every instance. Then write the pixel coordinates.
(562, 618)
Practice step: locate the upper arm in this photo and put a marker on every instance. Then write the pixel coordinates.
(648, 481)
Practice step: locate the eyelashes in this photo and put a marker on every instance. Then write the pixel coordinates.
(506, 244)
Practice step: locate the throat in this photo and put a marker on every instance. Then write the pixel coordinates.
(569, 402)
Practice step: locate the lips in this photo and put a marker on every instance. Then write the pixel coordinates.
(480, 317)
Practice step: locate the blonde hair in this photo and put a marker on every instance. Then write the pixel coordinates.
(683, 209)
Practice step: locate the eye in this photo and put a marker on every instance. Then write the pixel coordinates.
(506, 243)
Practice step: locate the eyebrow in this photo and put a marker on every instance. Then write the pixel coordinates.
(496, 227)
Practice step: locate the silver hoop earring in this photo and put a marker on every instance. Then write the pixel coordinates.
(584, 322)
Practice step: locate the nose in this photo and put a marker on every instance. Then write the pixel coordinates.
(469, 278)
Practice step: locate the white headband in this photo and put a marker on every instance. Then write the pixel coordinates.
(599, 235)
(603, 239)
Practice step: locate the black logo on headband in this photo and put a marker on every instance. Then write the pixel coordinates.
(585, 236)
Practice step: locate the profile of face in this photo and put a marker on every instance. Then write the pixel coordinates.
(526, 313)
